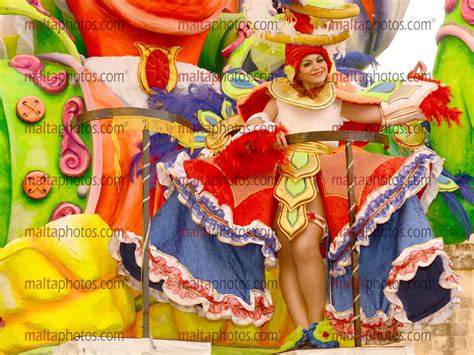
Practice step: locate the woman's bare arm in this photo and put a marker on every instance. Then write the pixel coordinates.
(361, 113)
(270, 109)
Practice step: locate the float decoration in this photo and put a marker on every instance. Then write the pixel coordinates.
(157, 68)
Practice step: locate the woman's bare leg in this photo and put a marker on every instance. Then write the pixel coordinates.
(310, 265)
(289, 284)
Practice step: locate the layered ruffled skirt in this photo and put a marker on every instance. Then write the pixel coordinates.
(212, 239)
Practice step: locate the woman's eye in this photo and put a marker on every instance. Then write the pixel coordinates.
(306, 65)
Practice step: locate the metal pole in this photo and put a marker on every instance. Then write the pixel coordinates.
(146, 232)
(354, 254)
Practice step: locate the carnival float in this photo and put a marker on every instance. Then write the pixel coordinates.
(127, 128)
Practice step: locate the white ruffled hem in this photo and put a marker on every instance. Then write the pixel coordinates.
(448, 280)
(196, 299)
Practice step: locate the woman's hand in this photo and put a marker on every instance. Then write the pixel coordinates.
(280, 142)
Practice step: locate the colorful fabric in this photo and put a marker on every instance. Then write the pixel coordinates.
(223, 242)
(197, 272)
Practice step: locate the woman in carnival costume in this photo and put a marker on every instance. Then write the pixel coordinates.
(228, 216)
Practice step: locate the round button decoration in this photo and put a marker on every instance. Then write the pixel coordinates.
(37, 185)
(64, 209)
(30, 109)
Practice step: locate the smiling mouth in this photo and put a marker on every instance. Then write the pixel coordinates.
(318, 73)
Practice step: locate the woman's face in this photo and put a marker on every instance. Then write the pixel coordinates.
(313, 70)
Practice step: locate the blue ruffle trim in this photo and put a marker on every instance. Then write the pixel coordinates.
(412, 177)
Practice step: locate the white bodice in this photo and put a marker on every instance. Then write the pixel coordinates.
(298, 119)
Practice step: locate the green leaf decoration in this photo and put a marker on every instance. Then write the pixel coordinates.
(295, 187)
(227, 110)
(293, 216)
(208, 119)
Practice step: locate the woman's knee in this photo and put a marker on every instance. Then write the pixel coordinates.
(306, 250)
(285, 256)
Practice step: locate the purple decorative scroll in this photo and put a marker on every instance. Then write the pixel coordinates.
(32, 68)
(64, 209)
(75, 157)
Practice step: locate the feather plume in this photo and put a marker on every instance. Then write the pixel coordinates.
(458, 211)
(187, 103)
(183, 102)
(357, 60)
(447, 173)
(252, 154)
(435, 107)
(160, 145)
(464, 182)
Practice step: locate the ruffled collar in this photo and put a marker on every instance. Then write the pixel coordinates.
(281, 89)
